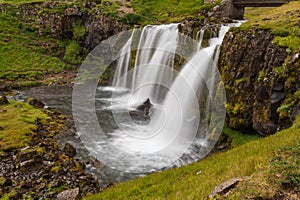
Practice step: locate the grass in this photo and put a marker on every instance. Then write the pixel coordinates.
(17, 123)
(20, 1)
(184, 183)
(239, 138)
(166, 11)
(281, 21)
(26, 57)
(281, 177)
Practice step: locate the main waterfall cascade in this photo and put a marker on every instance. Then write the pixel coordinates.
(188, 106)
(150, 56)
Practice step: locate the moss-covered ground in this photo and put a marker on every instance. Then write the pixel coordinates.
(17, 124)
(26, 57)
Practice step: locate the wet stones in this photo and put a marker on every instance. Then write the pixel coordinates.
(145, 107)
(36, 103)
(69, 150)
(44, 168)
(3, 100)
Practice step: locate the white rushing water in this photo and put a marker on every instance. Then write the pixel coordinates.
(175, 127)
(154, 57)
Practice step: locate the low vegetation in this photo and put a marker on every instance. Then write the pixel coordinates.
(197, 180)
(26, 57)
(152, 11)
(281, 21)
(17, 124)
(280, 179)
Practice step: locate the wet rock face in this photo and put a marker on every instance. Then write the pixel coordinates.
(259, 84)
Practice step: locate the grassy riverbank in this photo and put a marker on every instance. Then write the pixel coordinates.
(17, 124)
(197, 180)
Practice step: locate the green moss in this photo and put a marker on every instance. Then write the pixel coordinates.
(8, 196)
(55, 169)
(79, 30)
(2, 180)
(72, 53)
(17, 120)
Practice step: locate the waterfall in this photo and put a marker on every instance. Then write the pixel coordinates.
(184, 125)
(123, 65)
(154, 58)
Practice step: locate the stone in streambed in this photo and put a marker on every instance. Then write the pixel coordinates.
(145, 107)
(69, 150)
(3, 100)
(36, 103)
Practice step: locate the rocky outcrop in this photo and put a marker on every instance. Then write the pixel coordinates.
(261, 80)
(227, 9)
(83, 22)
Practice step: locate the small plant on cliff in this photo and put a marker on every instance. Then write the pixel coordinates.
(72, 52)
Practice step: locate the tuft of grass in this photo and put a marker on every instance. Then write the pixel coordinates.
(281, 21)
(72, 52)
(17, 122)
(186, 183)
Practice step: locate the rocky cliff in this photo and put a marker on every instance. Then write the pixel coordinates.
(262, 81)
(83, 22)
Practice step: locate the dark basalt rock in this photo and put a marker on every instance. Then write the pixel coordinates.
(145, 107)
(255, 88)
(69, 150)
(36, 103)
(3, 100)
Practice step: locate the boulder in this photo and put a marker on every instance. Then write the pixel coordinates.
(71, 194)
(3, 100)
(260, 81)
(145, 107)
(36, 103)
(69, 150)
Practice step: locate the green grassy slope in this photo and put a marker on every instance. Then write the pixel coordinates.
(185, 183)
(26, 57)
